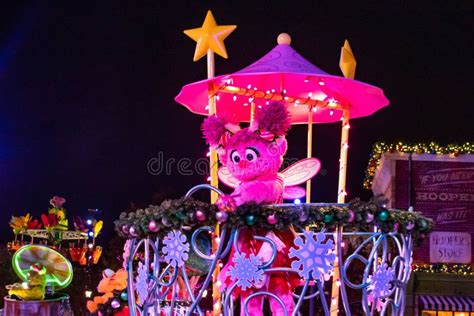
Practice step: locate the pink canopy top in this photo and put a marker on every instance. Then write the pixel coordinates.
(285, 70)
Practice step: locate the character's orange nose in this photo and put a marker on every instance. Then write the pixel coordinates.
(243, 164)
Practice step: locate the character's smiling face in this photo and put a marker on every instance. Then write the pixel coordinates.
(248, 157)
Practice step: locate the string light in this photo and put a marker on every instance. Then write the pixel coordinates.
(88, 294)
(321, 82)
(208, 179)
(249, 86)
(315, 109)
(207, 108)
(204, 294)
(297, 201)
(234, 98)
(331, 113)
(420, 148)
(218, 98)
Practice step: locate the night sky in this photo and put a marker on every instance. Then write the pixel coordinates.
(87, 90)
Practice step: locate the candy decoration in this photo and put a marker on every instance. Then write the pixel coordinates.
(396, 226)
(383, 215)
(153, 227)
(250, 219)
(328, 218)
(351, 217)
(423, 224)
(166, 221)
(369, 217)
(125, 229)
(272, 219)
(133, 231)
(200, 216)
(115, 303)
(124, 296)
(303, 216)
(222, 217)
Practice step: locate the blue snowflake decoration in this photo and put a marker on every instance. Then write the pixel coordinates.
(380, 283)
(315, 258)
(246, 272)
(141, 285)
(176, 248)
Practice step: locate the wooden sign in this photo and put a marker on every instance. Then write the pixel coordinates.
(450, 247)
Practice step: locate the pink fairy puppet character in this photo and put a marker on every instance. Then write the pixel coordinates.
(251, 159)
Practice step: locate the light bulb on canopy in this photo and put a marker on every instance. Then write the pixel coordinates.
(289, 78)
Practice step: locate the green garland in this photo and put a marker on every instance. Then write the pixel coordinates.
(381, 148)
(460, 269)
(180, 214)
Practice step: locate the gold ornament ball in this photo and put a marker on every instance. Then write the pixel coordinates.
(284, 39)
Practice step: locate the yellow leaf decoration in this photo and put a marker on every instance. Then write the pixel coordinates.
(19, 223)
(98, 228)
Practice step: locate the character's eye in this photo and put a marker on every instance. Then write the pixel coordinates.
(251, 154)
(234, 156)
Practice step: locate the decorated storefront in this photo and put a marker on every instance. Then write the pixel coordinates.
(438, 181)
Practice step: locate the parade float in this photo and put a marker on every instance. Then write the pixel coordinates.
(338, 258)
(40, 252)
(42, 271)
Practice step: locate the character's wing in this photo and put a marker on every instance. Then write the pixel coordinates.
(300, 172)
(294, 192)
(227, 178)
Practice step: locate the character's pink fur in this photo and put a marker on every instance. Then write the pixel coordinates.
(250, 158)
(213, 128)
(274, 118)
(255, 160)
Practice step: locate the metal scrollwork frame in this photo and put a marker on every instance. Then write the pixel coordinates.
(377, 249)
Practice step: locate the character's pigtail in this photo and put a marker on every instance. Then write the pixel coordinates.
(273, 118)
(218, 130)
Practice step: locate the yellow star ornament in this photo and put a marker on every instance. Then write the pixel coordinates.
(210, 36)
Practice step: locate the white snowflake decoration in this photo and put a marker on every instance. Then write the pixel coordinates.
(246, 272)
(176, 248)
(141, 283)
(380, 283)
(315, 258)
